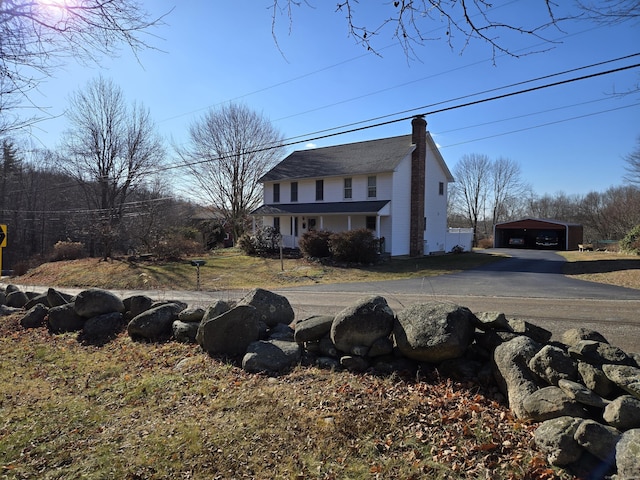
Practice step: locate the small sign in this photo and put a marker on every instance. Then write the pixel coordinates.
(3, 236)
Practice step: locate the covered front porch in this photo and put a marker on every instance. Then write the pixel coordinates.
(295, 219)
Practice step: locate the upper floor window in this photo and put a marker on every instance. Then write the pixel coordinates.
(276, 193)
(319, 190)
(371, 187)
(348, 188)
(441, 188)
(294, 191)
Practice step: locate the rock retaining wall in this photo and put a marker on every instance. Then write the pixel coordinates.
(584, 392)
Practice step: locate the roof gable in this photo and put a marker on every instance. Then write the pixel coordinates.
(373, 156)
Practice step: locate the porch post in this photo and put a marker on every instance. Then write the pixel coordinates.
(378, 226)
(348, 223)
(321, 222)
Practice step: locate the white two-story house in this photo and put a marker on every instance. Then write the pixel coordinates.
(396, 187)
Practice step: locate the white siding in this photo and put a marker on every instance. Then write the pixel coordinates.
(397, 240)
(435, 207)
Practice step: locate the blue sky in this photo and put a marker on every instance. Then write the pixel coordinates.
(569, 138)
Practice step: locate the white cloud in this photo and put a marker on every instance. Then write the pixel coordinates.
(310, 145)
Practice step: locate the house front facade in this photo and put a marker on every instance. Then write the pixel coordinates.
(396, 187)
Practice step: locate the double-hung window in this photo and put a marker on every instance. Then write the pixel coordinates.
(319, 190)
(371, 187)
(276, 193)
(348, 188)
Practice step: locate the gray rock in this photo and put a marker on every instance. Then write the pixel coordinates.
(490, 340)
(598, 353)
(230, 333)
(329, 363)
(217, 308)
(594, 379)
(16, 299)
(530, 330)
(4, 310)
(155, 323)
(623, 413)
(185, 332)
(556, 439)
(103, 326)
(271, 308)
(281, 332)
(273, 356)
(40, 299)
(552, 364)
(512, 372)
(136, 304)
(624, 376)
(491, 321)
(382, 346)
(327, 348)
(354, 363)
(628, 455)
(362, 324)
(434, 331)
(191, 315)
(551, 402)
(35, 317)
(573, 336)
(56, 298)
(313, 328)
(64, 319)
(581, 394)
(96, 301)
(599, 440)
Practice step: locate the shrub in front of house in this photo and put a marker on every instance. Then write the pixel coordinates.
(176, 246)
(315, 244)
(631, 242)
(68, 251)
(263, 243)
(356, 246)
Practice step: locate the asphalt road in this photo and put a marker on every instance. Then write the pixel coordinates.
(528, 285)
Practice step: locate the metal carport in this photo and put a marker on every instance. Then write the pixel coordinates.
(528, 229)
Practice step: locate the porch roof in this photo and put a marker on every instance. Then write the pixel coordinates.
(321, 208)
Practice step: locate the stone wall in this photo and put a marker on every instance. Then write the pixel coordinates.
(583, 392)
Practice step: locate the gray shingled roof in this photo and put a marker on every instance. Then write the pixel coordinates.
(370, 207)
(373, 156)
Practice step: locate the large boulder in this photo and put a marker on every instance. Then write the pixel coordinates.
(551, 402)
(103, 327)
(572, 336)
(556, 438)
(185, 332)
(230, 333)
(35, 317)
(313, 328)
(552, 364)
(361, 324)
(512, 372)
(434, 331)
(272, 356)
(623, 413)
(64, 318)
(597, 439)
(56, 298)
(599, 353)
(155, 323)
(96, 301)
(594, 379)
(628, 454)
(16, 299)
(271, 308)
(136, 304)
(625, 377)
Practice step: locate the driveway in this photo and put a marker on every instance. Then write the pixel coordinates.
(528, 285)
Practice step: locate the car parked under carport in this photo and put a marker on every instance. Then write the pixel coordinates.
(537, 233)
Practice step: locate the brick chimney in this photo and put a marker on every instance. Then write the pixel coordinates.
(418, 170)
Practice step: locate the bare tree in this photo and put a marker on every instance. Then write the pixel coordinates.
(611, 11)
(472, 186)
(111, 149)
(411, 22)
(633, 166)
(507, 188)
(228, 152)
(38, 36)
